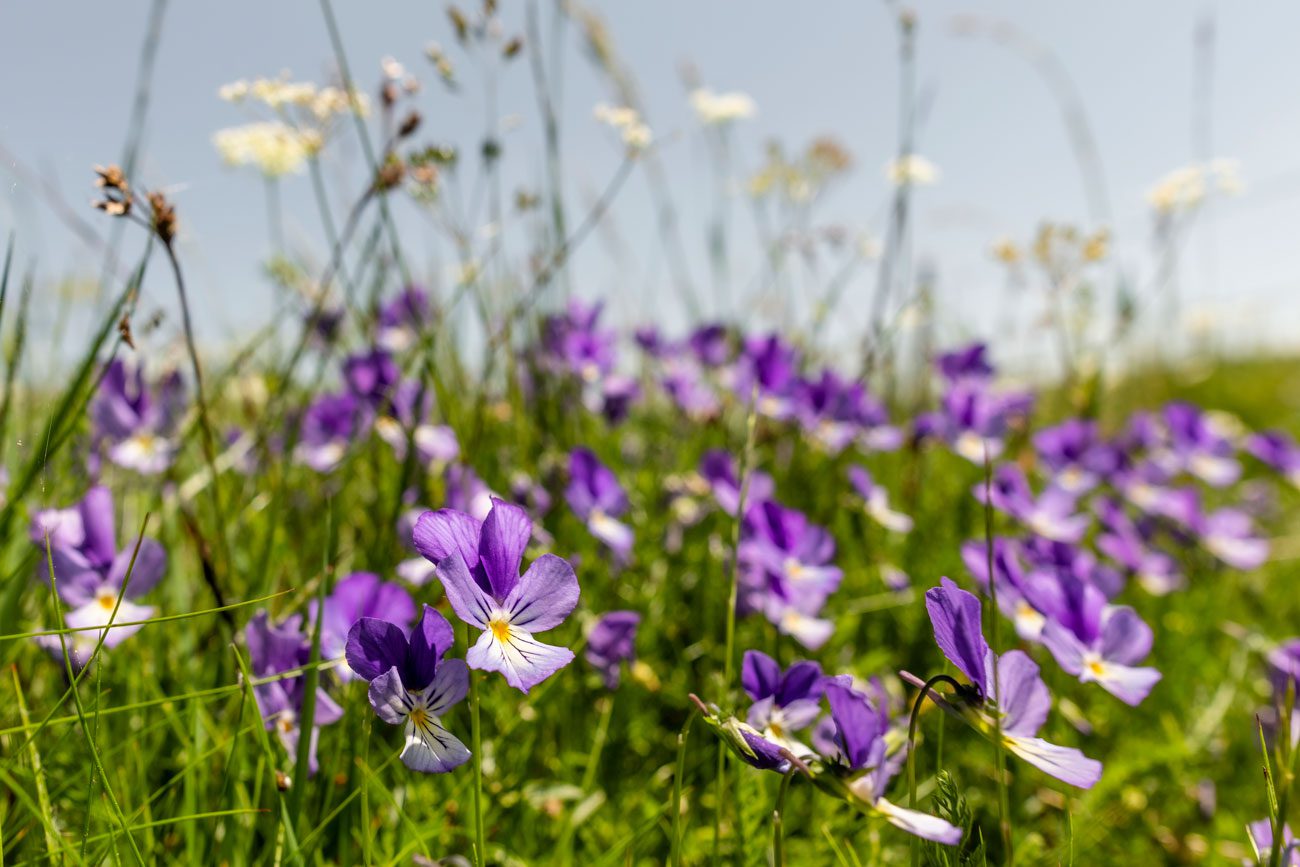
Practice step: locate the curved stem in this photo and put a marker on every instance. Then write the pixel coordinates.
(677, 791)
(911, 747)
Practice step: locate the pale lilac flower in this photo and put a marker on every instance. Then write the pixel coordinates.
(595, 495)
(876, 499)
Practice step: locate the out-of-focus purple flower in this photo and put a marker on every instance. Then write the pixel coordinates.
(402, 319)
(595, 495)
(964, 364)
(836, 413)
(411, 685)
(1279, 451)
(1261, 841)
(973, 420)
(611, 642)
(685, 384)
(769, 365)
(274, 649)
(328, 428)
(137, 423)
(478, 564)
(1075, 454)
(617, 395)
(1230, 535)
(718, 469)
(1124, 542)
(1201, 449)
(325, 324)
(411, 404)
(1021, 699)
(361, 594)
(1022, 597)
(711, 344)
(91, 574)
(860, 731)
(573, 342)
(466, 492)
(786, 571)
(1107, 653)
(1051, 514)
(371, 376)
(876, 499)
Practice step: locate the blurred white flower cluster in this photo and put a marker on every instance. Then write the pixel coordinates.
(911, 170)
(302, 113)
(1184, 189)
(717, 109)
(634, 132)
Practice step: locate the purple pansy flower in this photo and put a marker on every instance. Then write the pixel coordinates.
(328, 428)
(611, 642)
(1261, 841)
(860, 730)
(91, 573)
(361, 594)
(371, 376)
(966, 363)
(139, 424)
(718, 469)
(1051, 514)
(410, 405)
(412, 685)
(596, 497)
(1125, 543)
(785, 702)
(787, 571)
(1021, 698)
(478, 564)
(1279, 451)
(876, 499)
(1199, 446)
(274, 649)
(401, 319)
(1104, 644)
(1229, 534)
(768, 364)
(1075, 455)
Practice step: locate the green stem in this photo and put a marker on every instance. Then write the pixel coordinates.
(476, 736)
(912, 723)
(999, 768)
(778, 822)
(682, 737)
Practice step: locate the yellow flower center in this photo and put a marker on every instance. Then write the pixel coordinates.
(419, 716)
(1096, 667)
(500, 628)
(107, 601)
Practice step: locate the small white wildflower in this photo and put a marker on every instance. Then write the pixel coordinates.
(274, 148)
(721, 108)
(911, 170)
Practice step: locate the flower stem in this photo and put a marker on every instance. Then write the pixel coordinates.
(476, 736)
(677, 791)
(912, 722)
(778, 822)
(999, 767)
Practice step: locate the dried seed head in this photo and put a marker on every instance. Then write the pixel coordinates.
(512, 48)
(390, 174)
(124, 329)
(460, 23)
(164, 217)
(410, 125)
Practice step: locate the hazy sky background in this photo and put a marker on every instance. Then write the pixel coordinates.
(828, 67)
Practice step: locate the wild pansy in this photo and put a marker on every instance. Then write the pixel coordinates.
(718, 469)
(328, 428)
(1127, 544)
(1103, 644)
(361, 594)
(1022, 596)
(1261, 842)
(768, 365)
(1277, 450)
(1021, 700)
(610, 643)
(93, 577)
(478, 564)
(410, 406)
(784, 702)
(574, 343)
(138, 423)
(371, 376)
(1051, 514)
(865, 764)
(597, 498)
(973, 420)
(836, 413)
(1229, 534)
(876, 500)
(466, 491)
(786, 571)
(856, 754)
(1075, 455)
(411, 685)
(274, 649)
(1200, 446)
(402, 319)
(965, 364)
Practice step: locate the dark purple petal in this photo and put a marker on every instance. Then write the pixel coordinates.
(857, 723)
(431, 638)
(759, 675)
(374, 646)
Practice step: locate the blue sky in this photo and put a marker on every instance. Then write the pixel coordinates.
(828, 67)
